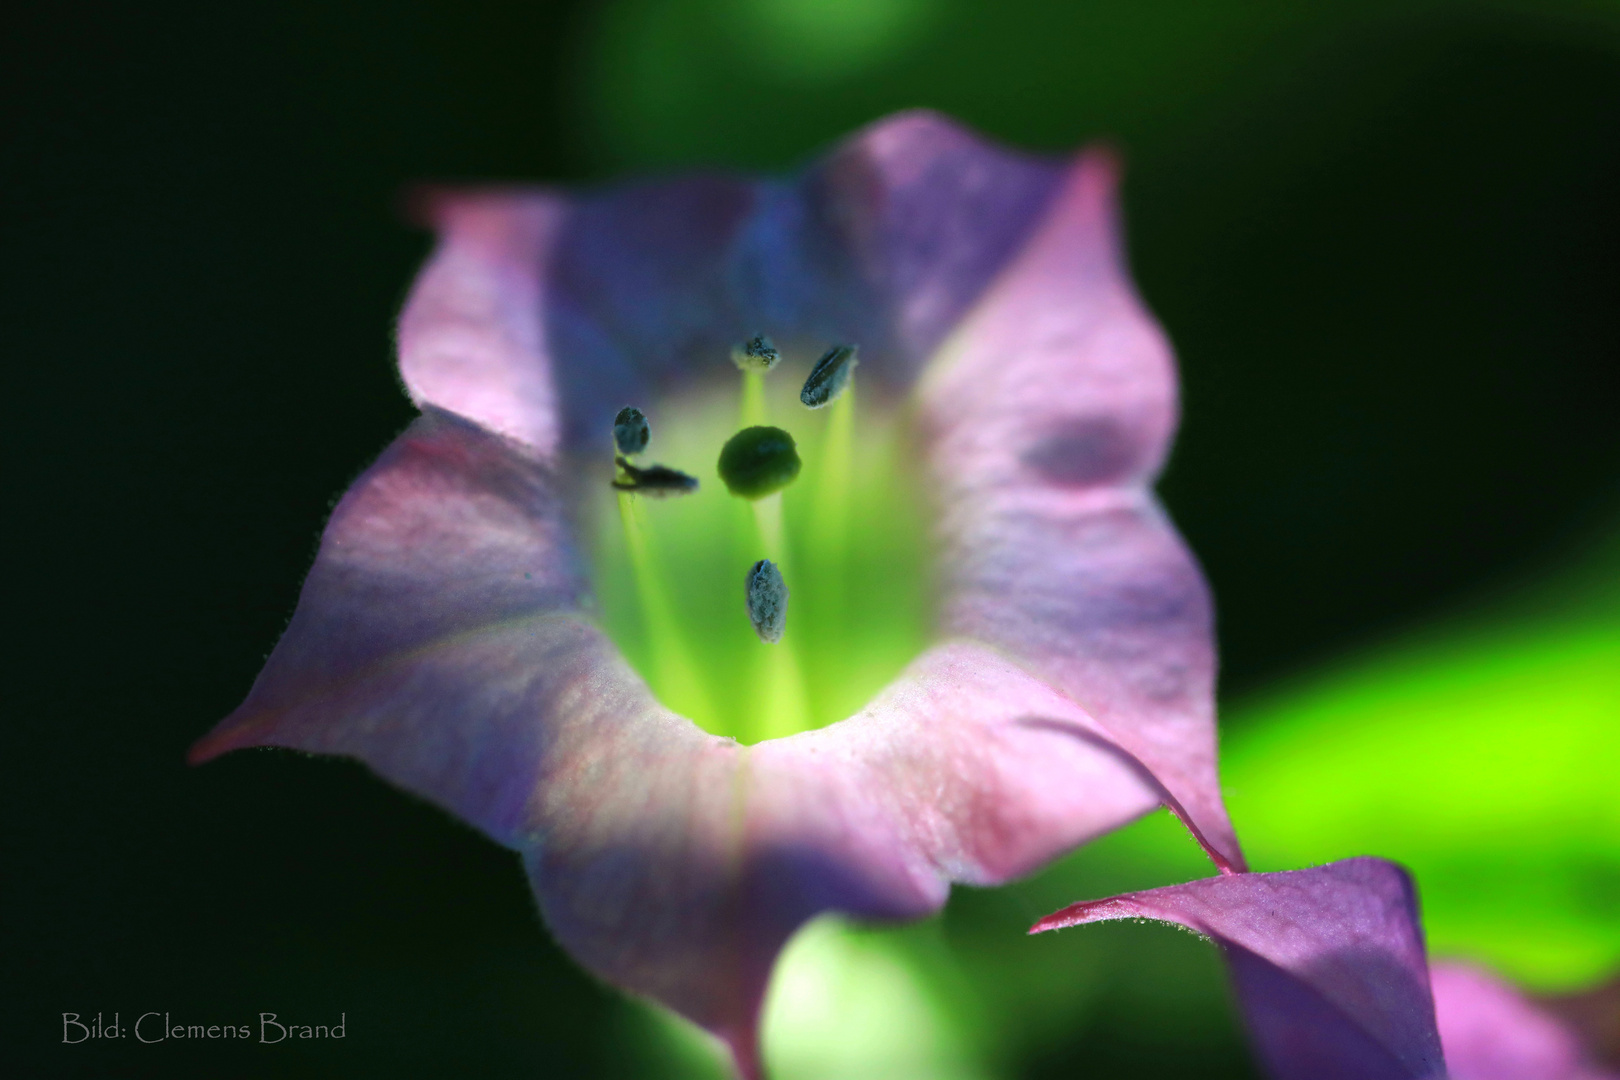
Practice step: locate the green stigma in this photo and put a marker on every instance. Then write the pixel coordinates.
(759, 461)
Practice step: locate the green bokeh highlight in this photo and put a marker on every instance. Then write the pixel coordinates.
(1484, 754)
(849, 536)
(757, 82)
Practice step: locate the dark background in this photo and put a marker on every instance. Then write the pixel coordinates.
(1388, 253)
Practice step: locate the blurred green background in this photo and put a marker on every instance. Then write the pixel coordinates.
(1384, 237)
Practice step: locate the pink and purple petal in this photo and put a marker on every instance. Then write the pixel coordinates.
(1490, 1031)
(1328, 964)
(1049, 411)
(441, 638)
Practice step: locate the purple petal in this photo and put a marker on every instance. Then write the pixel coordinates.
(445, 636)
(1049, 411)
(1328, 964)
(472, 337)
(1491, 1032)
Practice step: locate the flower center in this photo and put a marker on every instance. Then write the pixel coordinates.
(679, 581)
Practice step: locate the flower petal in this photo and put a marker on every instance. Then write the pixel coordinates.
(1049, 411)
(472, 337)
(1491, 1032)
(1328, 964)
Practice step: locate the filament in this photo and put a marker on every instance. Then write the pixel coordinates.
(670, 661)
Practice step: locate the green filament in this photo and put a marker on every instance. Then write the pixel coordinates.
(674, 674)
(782, 697)
(768, 528)
(753, 411)
(834, 492)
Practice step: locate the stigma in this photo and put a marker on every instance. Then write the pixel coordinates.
(759, 461)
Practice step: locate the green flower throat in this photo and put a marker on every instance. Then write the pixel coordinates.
(783, 582)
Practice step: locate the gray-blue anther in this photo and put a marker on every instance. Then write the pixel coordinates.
(630, 431)
(829, 377)
(755, 354)
(767, 601)
(656, 480)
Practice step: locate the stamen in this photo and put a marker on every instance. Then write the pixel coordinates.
(782, 704)
(835, 477)
(829, 377)
(767, 597)
(759, 461)
(768, 520)
(630, 431)
(826, 548)
(754, 358)
(655, 480)
(756, 354)
(753, 411)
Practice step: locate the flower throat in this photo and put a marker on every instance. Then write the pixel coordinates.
(760, 559)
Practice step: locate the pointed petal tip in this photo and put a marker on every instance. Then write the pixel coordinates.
(243, 729)
(222, 740)
(1086, 911)
(909, 126)
(203, 751)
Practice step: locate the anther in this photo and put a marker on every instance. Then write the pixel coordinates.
(759, 461)
(630, 431)
(653, 480)
(767, 601)
(829, 377)
(755, 354)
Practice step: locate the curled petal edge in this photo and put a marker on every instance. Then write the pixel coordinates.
(1328, 964)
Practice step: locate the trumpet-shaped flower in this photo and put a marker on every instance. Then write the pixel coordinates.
(447, 634)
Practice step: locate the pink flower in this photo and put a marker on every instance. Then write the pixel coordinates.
(445, 634)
